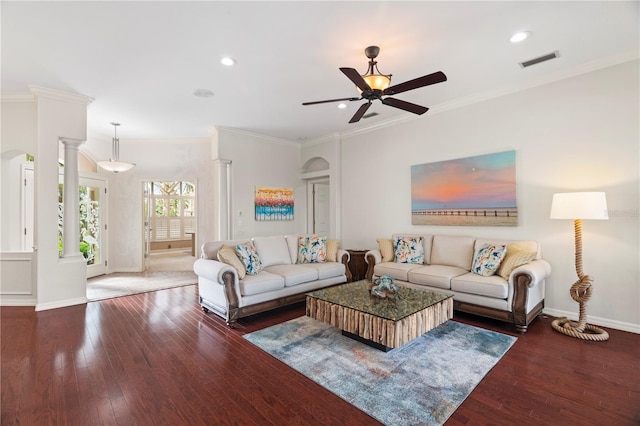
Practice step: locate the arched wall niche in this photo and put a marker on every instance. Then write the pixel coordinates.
(315, 165)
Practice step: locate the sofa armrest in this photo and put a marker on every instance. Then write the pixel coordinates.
(534, 272)
(344, 257)
(372, 257)
(524, 278)
(212, 270)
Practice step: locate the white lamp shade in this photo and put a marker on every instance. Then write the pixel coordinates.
(579, 205)
(115, 166)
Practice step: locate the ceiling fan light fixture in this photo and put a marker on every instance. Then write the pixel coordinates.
(377, 81)
(342, 105)
(113, 164)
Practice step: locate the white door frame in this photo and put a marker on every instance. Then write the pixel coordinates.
(310, 212)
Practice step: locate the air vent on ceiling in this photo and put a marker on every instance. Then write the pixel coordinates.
(540, 59)
(371, 114)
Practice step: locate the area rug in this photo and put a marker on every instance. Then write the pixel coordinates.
(125, 284)
(421, 383)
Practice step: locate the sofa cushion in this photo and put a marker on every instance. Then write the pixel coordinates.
(272, 250)
(332, 250)
(209, 250)
(427, 240)
(249, 257)
(229, 256)
(262, 282)
(528, 245)
(398, 271)
(386, 249)
(493, 286)
(452, 250)
(294, 274)
(516, 256)
(435, 275)
(408, 249)
(327, 269)
(292, 242)
(312, 249)
(487, 259)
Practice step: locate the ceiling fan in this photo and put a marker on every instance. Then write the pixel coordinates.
(374, 85)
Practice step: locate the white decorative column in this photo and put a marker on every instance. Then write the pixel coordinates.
(71, 212)
(222, 199)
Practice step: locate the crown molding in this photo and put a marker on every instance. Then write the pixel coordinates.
(17, 97)
(270, 139)
(332, 137)
(166, 141)
(44, 92)
(502, 91)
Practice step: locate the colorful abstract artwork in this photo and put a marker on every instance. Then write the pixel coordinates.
(472, 191)
(274, 203)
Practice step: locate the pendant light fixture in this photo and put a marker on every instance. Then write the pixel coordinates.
(114, 165)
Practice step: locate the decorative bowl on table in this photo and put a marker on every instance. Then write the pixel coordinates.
(383, 287)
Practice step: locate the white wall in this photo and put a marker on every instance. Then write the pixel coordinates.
(576, 134)
(259, 160)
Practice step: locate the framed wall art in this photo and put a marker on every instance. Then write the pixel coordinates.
(471, 191)
(274, 203)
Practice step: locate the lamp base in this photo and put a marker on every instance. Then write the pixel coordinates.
(568, 327)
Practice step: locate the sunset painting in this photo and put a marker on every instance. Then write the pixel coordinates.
(472, 191)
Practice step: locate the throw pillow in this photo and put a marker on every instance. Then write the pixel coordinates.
(228, 255)
(488, 259)
(312, 249)
(515, 257)
(332, 250)
(249, 257)
(408, 250)
(386, 249)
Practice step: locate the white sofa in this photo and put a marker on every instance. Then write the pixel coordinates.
(281, 282)
(447, 269)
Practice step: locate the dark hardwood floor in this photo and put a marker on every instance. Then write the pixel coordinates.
(156, 358)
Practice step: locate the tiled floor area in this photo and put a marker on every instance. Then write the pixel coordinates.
(166, 270)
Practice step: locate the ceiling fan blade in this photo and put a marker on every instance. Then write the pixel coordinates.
(407, 106)
(356, 78)
(360, 112)
(331, 100)
(426, 80)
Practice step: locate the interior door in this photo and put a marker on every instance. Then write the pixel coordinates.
(28, 210)
(93, 224)
(146, 220)
(321, 209)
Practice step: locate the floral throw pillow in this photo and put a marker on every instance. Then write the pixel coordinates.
(487, 261)
(312, 249)
(249, 257)
(408, 250)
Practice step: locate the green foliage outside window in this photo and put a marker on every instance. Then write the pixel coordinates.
(89, 224)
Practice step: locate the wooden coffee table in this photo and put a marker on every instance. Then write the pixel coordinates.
(382, 323)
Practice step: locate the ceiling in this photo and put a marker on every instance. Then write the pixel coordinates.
(142, 61)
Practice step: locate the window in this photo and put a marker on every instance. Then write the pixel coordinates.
(173, 213)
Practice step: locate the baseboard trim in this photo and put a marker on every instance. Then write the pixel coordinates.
(61, 304)
(602, 322)
(8, 301)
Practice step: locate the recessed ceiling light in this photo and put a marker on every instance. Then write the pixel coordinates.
(518, 37)
(342, 105)
(302, 138)
(228, 61)
(203, 93)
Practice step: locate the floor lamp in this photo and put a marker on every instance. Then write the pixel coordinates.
(579, 206)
